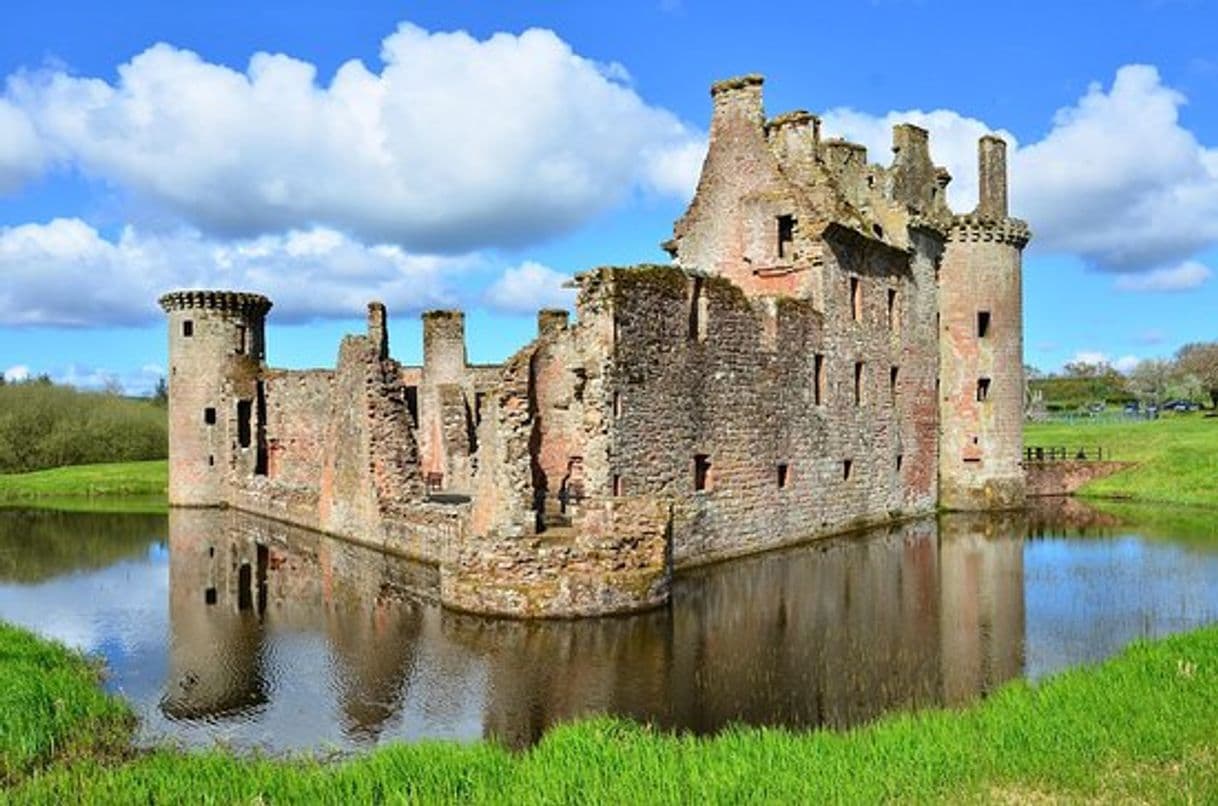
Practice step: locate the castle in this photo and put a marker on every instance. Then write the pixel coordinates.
(830, 348)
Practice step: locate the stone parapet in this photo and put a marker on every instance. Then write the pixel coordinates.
(236, 301)
(972, 228)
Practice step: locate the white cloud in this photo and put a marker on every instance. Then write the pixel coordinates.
(20, 152)
(529, 287)
(1123, 364)
(455, 144)
(1187, 275)
(17, 374)
(1117, 180)
(65, 273)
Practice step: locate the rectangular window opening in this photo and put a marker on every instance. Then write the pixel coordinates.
(818, 379)
(240, 339)
(617, 486)
(892, 309)
(209, 415)
(245, 412)
(858, 383)
(209, 596)
(412, 404)
(856, 299)
(262, 457)
(900, 461)
(983, 389)
(701, 471)
(894, 375)
(847, 466)
(188, 328)
(786, 235)
(783, 470)
(983, 324)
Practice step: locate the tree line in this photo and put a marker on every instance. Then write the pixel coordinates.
(1190, 375)
(44, 425)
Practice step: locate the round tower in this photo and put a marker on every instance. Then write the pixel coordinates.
(217, 350)
(981, 348)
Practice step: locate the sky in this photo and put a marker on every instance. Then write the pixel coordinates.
(476, 154)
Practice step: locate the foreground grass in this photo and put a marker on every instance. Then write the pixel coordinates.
(51, 706)
(1141, 726)
(1177, 456)
(147, 479)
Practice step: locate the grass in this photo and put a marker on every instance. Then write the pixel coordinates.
(145, 479)
(51, 706)
(1177, 456)
(1142, 726)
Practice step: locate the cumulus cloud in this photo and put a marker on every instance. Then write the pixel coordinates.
(20, 152)
(1124, 363)
(65, 273)
(529, 287)
(1186, 276)
(455, 144)
(17, 374)
(1117, 181)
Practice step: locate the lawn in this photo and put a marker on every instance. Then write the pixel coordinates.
(1142, 726)
(147, 479)
(1177, 456)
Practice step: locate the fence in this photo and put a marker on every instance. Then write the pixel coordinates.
(1037, 453)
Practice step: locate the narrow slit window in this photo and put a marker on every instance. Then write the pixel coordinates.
(697, 312)
(983, 389)
(617, 486)
(209, 415)
(894, 376)
(900, 461)
(983, 324)
(783, 471)
(858, 383)
(856, 299)
(892, 309)
(786, 235)
(245, 412)
(240, 339)
(617, 405)
(847, 467)
(701, 471)
(818, 380)
(188, 328)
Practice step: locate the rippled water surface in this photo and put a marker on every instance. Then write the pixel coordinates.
(223, 628)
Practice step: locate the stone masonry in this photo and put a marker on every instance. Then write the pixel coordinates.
(831, 347)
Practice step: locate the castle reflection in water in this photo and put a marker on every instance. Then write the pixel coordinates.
(834, 633)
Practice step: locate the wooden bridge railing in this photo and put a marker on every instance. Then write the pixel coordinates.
(1040, 453)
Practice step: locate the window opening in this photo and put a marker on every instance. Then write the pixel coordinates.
(701, 471)
(983, 324)
(983, 389)
(847, 466)
(818, 379)
(786, 235)
(783, 470)
(697, 312)
(858, 383)
(245, 410)
(892, 309)
(894, 375)
(856, 298)
(209, 415)
(188, 328)
(240, 339)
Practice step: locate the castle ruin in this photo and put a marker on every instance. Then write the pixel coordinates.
(831, 347)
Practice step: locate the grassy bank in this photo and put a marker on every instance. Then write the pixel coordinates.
(1177, 456)
(64, 484)
(1143, 726)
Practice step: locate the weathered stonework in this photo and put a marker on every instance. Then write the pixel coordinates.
(814, 360)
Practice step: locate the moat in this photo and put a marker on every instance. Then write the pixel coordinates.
(325, 646)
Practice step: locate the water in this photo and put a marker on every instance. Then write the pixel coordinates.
(317, 645)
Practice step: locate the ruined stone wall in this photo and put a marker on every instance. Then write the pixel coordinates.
(1065, 478)
(740, 390)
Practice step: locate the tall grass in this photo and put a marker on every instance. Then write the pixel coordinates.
(1142, 726)
(51, 706)
(42, 426)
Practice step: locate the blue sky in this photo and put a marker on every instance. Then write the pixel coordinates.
(377, 153)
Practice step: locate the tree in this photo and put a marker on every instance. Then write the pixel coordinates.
(1200, 360)
(1151, 380)
(160, 395)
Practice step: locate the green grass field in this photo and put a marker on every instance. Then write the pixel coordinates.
(1177, 456)
(67, 485)
(1140, 727)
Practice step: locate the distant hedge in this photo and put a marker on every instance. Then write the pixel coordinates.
(43, 425)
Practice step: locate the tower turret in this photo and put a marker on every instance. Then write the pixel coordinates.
(217, 405)
(981, 348)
